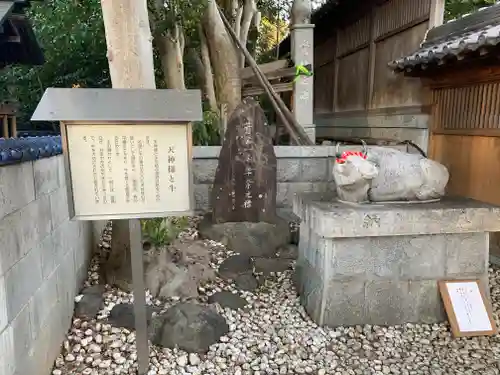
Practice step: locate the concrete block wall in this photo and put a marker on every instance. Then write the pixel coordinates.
(43, 262)
(300, 169)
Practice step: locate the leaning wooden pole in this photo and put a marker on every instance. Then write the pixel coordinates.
(296, 132)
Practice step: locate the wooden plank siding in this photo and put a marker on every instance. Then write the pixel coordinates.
(465, 130)
(467, 102)
(465, 133)
(351, 71)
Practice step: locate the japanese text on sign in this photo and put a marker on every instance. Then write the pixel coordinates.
(129, 169)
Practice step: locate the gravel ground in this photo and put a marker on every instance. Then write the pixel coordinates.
(275, 336)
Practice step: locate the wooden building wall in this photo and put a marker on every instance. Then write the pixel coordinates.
(351, 73)
(465, 135)
(465, 131)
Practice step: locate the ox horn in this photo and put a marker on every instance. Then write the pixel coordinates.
(337, 150)
(365, 152)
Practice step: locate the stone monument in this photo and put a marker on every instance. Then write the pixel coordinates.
(245, 181)
(243, 197)
(374, 251)
(382, 174)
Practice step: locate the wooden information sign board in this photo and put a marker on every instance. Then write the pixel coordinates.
(467, 307)
(127, 155)
(129, 171)
(127, 151)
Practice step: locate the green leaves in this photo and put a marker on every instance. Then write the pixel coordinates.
(206, 132)
(72, 36)
(457, 8)
(162, 231)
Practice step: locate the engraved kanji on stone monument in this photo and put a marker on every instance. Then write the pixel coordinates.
(245, 180)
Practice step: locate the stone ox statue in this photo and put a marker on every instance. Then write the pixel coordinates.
(380, 174)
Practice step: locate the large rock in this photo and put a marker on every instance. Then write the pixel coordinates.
(90, 303)
(245, 179)
(246, 238)
(228, 299)
(268, 265)
(247, 282)
(190, 327)
(122, 315)
(178, 270)
(234, 266)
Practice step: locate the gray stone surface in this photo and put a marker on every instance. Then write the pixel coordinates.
(189, 327)
(176, 270)
(384, 175)
(122, 315)
(234, 266)
(248, 238)
(43, 261)
(228, 299)
(450, 215)
(46, 176)
(473, 261)
(247, 282)
(17, 188)
(351, 274)
(299, 169)
(90, 303)
(268, 265)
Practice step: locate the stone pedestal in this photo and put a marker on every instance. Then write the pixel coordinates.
(302, 37)
(380, 264)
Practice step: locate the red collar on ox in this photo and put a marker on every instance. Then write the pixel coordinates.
(343, 157)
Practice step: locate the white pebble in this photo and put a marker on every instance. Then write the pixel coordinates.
(182, 360)
(194, 360)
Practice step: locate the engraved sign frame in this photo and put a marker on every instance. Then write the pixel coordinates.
(451, 309)
(70, 169)
(110, 179)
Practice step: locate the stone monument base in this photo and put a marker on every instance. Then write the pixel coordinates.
(379, 264)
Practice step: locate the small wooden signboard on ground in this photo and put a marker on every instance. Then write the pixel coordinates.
(468, 308)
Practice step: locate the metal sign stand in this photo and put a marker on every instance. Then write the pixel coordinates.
(139, 289)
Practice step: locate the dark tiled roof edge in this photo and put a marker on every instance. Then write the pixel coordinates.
(455, 39)
(19, 150)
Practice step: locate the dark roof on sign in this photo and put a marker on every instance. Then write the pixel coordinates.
(141, 105)
(472, 35)
(18, 43)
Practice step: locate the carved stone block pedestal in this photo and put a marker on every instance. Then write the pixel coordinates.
(379, 264)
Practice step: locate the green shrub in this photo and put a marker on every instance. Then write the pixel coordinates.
(163, 230)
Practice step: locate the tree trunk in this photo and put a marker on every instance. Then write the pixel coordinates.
(224, 59)
(249, 10)
(208, 76)
(130, 57)
(171, 48)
